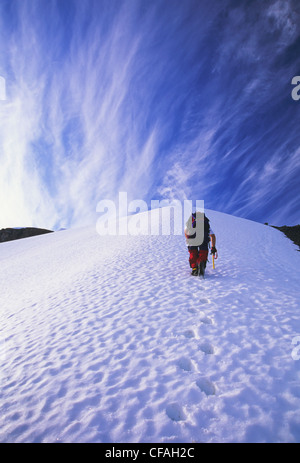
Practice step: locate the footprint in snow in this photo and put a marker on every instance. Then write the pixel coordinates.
(175, 412)
(206, 386)
(206, 320)
(185, 364)
(192, 310)
(189, 334)
(207, 348)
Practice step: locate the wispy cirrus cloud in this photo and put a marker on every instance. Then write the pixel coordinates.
(67, 118)
(159, 100)
(251, 163)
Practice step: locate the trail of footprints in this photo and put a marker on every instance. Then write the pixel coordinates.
(174, 410)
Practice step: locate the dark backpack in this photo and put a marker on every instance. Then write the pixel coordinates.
(206, 238)
(206, 231)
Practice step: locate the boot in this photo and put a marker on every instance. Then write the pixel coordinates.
(202, 266)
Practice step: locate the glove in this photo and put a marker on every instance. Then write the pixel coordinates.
(213, 250)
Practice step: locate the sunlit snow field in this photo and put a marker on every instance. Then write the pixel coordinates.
(110, 339)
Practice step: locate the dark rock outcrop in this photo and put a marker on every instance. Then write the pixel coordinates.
(293, 233)
(10, 234)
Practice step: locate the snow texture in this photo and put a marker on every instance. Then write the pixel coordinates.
(110, 339)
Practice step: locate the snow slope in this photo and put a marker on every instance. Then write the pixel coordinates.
(109, 339)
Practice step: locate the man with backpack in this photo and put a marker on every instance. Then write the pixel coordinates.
(199, 235)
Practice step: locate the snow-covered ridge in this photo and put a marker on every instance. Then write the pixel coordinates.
(109, 338)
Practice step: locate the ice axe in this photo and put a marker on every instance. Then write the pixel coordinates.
(213, 259)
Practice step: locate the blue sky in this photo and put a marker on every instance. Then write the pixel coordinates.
(162, 99)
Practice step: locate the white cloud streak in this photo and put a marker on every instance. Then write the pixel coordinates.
(99, 101)
(89, 85)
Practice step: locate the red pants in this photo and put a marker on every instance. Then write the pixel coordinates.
(197, 256)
